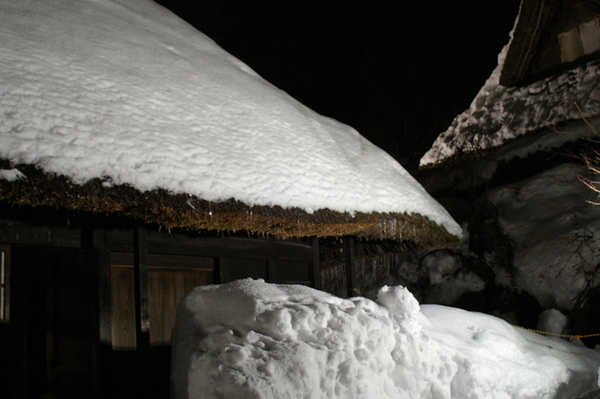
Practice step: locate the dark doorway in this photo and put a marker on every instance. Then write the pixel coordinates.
(53, 323)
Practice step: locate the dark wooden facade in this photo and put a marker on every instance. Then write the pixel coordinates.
(89, 301)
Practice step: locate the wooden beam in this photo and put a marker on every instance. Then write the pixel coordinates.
(140, 267)
(27, 233)
(160, 242)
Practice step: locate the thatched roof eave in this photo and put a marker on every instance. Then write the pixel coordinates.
(182, 211)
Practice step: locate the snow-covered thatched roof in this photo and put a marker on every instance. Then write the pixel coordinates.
(516, 101)
(118, 106)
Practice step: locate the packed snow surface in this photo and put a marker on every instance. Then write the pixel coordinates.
(250, 339)
(125, 91)
(554, 230)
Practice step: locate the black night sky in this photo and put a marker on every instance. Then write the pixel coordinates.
(397, 71)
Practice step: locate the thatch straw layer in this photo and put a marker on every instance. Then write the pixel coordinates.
(172, 211)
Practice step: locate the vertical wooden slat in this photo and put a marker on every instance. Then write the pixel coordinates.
(122, 308)
(166, 288)
(4, 283)
(350, 256)
(140, 267)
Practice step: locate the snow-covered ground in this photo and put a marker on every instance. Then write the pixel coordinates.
(554, 230)
(551, 248)
(250, 339)
(127, 92)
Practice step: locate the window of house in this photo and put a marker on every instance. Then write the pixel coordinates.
(570, 44)
(170, 278)
(581, 40)
(590, 36)
(4, 283)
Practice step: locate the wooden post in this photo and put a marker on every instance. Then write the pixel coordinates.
(315, 266)
(104, 296)
(350, 255)
(52, 332)
(97, 257)
(142, 319)
(140, 267)
(5, 283)
(103, 318)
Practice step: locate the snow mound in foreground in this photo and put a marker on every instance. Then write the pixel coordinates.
(258, 340)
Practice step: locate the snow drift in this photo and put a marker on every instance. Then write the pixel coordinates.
(257, 340)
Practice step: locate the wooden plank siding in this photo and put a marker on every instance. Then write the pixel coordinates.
(169, 280)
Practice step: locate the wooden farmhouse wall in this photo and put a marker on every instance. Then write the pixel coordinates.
(87, 303)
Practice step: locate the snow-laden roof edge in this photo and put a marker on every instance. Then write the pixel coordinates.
(125, 95)
(28, 185)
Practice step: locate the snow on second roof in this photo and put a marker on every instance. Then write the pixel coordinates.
(499, 114)
(127, 92)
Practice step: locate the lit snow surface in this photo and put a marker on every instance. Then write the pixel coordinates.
(250, 339)
(554, 232)
(554, 229)
(127, 92)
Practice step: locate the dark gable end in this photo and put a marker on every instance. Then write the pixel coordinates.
(550, 37)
